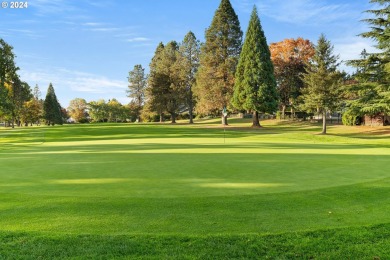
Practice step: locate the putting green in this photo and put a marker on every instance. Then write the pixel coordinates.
(189, 179)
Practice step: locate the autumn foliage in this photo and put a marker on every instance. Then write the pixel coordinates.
(290, 57)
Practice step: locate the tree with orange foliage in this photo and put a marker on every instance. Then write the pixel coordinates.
(290, 57)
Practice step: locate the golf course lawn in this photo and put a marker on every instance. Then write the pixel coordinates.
(195, 191)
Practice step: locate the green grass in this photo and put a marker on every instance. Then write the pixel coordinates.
(180, 191)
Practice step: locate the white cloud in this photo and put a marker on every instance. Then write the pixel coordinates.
(75, 83)
(97, 84)
(306, 11)
(24, 32)
(45, 7)
(138, 39)
(299, 12)
(243, 5)
(92, 24)
(105, 29)
(351, 48)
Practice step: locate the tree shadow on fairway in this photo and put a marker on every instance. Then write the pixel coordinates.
(125, 145)
(133, 132)
(376, 134)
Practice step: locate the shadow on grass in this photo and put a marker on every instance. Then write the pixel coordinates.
(260, 147)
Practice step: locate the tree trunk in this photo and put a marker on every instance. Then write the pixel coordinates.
(255, 119)
(292, 113)
(13, 120)
(190, 108)
(161, 117)
(139, 119)
(173, 118)
(323, 123)
(224, 120)
(283, 112)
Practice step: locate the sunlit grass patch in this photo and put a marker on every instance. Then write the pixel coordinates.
(89, 181)
(238, 185)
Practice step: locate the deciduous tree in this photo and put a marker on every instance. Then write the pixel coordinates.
(8, 71)
(18, 93)
(98, 110)
(77, 109)
(290, 57)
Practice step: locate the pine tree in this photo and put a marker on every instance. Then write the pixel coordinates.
(322, 91)
(175, 91)
(166, 91)
(52, 111)
(158, 83)
(188, 63)
(137, 87)
(255, 85)
(218, 61)
(372, 89)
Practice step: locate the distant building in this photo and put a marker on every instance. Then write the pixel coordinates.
(378, 120)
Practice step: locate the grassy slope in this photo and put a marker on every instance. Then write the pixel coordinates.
(179, 190)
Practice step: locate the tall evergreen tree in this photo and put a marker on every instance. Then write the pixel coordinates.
(372, 89)
(175, 93)
(158, 84)
(166, 91)
(137, 87)
(52, 111)
(322, 91)
(255, 85)
(188, 64)
(218, 61)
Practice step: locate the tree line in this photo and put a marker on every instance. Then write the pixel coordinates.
(19, 103)
(247, 75)
(229, 72)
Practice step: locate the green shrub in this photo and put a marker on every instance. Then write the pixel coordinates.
(350, 118)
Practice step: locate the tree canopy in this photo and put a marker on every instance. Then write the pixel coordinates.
(370, 92)
(137, 87)
(322, 91)
(188, 64)
(290, 57)
(218, 61)
(52, 111)
(255, 85)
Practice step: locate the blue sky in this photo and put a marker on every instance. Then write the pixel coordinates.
(86, 48)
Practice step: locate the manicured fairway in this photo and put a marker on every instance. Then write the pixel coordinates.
(182, 191)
